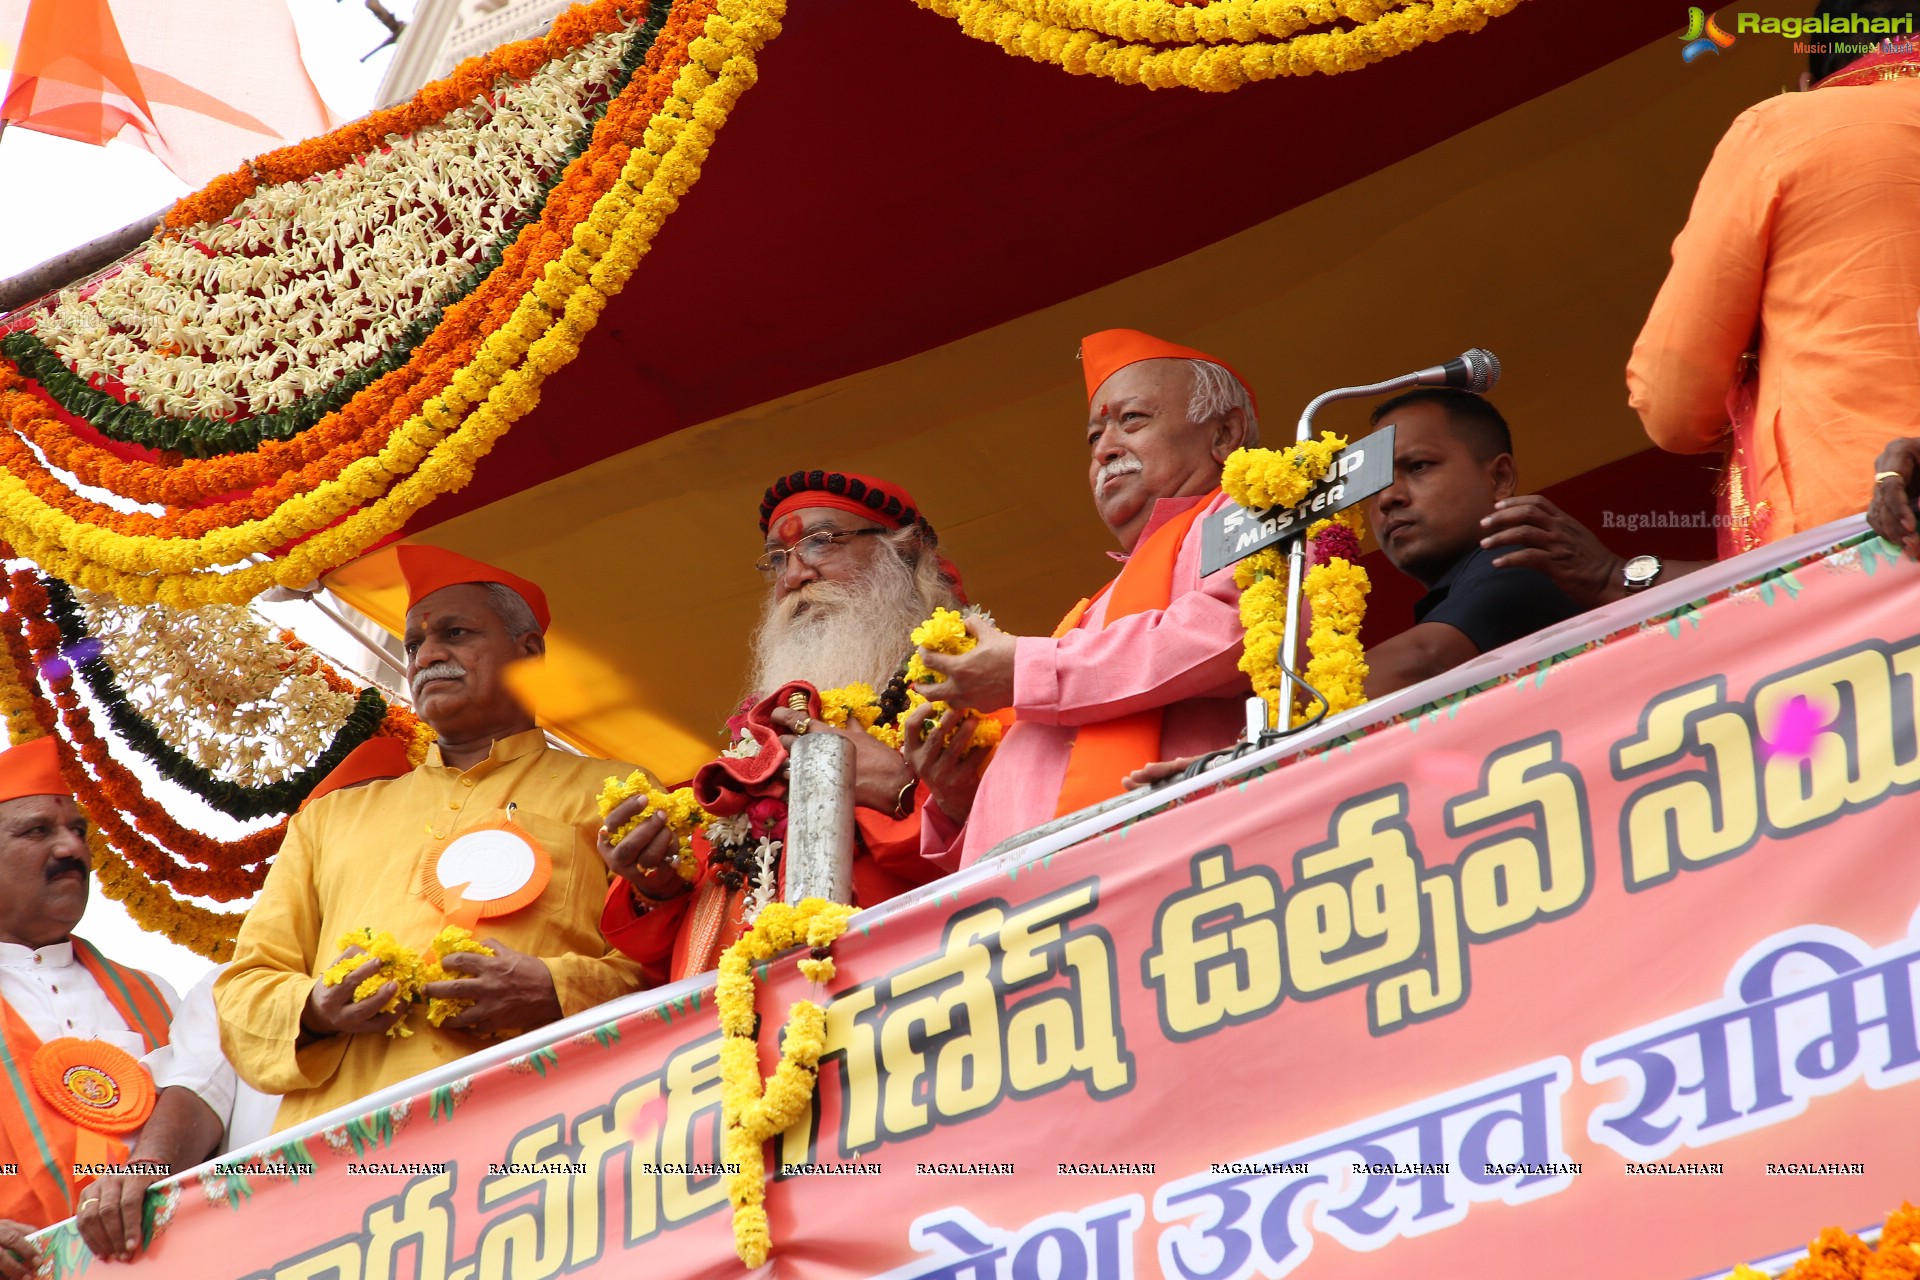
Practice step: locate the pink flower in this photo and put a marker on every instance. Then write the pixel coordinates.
(768, 817)
(1336, 542)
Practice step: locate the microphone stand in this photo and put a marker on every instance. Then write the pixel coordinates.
(1259, 728)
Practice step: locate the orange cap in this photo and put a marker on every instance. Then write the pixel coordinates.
(1106, 353)
(372, 760)
(427, 569)
(32, 769)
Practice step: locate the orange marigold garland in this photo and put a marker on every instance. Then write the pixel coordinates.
(677, 137)
(199, 930)
(152, 907)
(280, 469)
(1838, 1254)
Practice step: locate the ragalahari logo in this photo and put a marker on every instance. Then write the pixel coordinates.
(1703, 35)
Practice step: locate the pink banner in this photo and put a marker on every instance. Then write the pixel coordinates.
(1608, 967)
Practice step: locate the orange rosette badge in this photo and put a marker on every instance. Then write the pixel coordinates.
(94, 1084)
(489, 871)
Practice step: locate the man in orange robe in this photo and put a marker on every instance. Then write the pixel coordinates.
(57, 993)
(1149, 668)
(852, 566)
(1803, 248)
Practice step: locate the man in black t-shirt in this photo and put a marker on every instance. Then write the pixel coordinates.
(1496, 567)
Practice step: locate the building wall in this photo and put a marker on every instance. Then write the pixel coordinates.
(442, 33)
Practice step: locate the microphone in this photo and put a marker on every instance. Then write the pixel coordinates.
(1476, 371)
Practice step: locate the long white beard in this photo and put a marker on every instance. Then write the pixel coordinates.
(834, 633)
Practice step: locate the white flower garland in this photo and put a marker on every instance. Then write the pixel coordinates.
(309, 281)
(219, 684)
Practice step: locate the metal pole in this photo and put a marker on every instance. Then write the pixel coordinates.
(1296, 576)
(819, 853)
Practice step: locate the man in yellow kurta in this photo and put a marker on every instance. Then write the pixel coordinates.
(372, 857)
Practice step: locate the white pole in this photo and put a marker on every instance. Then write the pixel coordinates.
(819, 853)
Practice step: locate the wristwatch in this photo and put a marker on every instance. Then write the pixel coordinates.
(1641, 571)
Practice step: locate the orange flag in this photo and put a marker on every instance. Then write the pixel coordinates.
(202, 86)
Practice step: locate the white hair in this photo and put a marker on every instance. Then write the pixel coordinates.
(515, 614)
(1216, 393)
(834, 633)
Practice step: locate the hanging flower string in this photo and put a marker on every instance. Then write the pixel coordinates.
(152, 907)
(752, 1110)
(435, 449)
(242, 700)
(142, 856)
(222, 870)
(1335, 587)
(256, 367)
(1216, 46)
(369, 710)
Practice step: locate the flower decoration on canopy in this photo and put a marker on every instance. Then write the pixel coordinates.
(1213, 46)
(155, 865)
(317, 346)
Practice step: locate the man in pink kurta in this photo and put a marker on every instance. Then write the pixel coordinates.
(1148, 669)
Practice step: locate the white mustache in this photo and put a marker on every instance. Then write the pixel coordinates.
(438, 671)
(1125, 465)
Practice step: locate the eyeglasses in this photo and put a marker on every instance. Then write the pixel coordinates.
(813, 550)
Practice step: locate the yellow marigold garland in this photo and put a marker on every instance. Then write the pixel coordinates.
(753, 1110)
(1261, 478)
(1336, 591)
(201, 931)
(1262, 579)
(1213, 47)
(1336, 588)
(437, 450)
(678, 809)
(856, 703)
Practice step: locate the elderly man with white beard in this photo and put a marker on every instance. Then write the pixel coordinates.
(1148, 668)
(851, 568)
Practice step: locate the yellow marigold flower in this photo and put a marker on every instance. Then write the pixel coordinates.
(855, 702)
(819, 971)
(445, 943)
(398, 965)
(944, 632)
(677, 808)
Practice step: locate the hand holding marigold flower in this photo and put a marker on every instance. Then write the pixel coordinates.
(331, 1006)
(677, 809)
(966, 662)
(445, 943)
